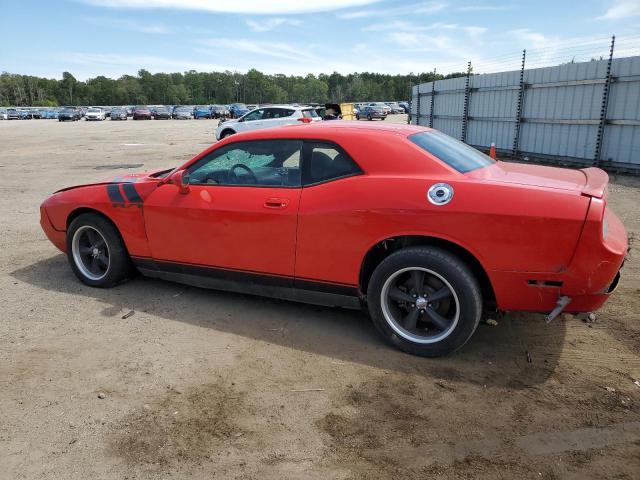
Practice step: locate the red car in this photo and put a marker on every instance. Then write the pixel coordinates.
(141, 113)
(421, 228)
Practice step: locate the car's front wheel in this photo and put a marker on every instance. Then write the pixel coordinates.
(424, 301)
(96, 252)
(227, 133)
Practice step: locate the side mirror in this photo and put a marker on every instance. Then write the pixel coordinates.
(181, 180)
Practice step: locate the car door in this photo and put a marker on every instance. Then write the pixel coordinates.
(251, 121)
(276, 116)
(240, 212)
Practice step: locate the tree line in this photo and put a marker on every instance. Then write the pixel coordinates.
(192, 88)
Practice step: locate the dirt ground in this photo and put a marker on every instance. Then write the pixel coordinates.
(203, 384)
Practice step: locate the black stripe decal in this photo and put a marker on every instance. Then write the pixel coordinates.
(131, 193)
(113, 190)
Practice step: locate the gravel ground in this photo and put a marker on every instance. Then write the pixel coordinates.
(205, 384)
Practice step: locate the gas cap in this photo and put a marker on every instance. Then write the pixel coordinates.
(440, 193)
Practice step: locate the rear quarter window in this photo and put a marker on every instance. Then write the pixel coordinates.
(310, 113)
(453, 152)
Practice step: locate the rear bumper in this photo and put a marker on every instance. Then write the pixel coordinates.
(591, 277)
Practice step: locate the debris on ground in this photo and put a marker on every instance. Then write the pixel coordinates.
(308, 390)
(102, 395)
(129, 314)
(610, 389)
(529, 360)
(491, 322)
(636, 383)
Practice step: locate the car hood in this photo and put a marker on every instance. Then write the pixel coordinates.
(587, 181)
(124, 178)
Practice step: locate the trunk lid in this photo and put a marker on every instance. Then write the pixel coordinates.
(590, 181)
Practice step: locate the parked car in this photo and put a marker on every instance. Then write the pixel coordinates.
(237, 110)
(72, 114)
(118, 113)
(162, 113)
(201, 111)
(3, 114)
(107, 111)
(129, 111)
(267, 117)
(404, 106)
(13, 114)
(370, 112)
(25, 114)
(219, 111)
(384, 106)
(395, 108)
(95, 114)
(141, 113)
(35, 114)
(418, 227)
(182, 113)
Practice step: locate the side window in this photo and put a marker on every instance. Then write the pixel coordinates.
(325, 161)
(263, 163)
(255, 115)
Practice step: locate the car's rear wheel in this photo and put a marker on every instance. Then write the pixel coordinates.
(369, 118)
(96, 252)
(424, 301)
(227, 133)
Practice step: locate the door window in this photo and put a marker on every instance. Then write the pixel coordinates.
(264, 163)
(255, 115)
(327, 162)
(277, 113)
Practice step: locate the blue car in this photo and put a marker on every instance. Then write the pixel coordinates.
(237, 110)
(201, 112)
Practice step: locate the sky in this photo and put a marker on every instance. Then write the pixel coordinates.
(115, 37)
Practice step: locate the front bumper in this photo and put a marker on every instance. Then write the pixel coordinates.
(56, 237)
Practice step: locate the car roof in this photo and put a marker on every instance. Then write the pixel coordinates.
(324, 130)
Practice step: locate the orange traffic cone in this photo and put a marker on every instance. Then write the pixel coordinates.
(492, 150)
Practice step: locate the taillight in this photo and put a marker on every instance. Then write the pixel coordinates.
(304, 119)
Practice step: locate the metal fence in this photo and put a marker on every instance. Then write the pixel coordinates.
(581, 114)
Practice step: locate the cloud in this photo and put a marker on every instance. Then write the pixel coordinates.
(256, 7)
(129, 25)
(114, 64)
(271, 23)
(483, 8)
(422, 8)
(270, 49)
(622, 9)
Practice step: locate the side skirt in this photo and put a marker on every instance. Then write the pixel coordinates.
(283, 288)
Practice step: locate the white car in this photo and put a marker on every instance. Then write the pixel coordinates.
(267, 117)
(4, 115)
(95, 114)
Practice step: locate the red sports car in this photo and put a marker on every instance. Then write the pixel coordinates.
(421, 228)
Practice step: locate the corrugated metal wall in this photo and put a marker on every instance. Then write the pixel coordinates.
(560, 113)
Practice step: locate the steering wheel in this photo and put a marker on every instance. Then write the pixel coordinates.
(246, 169)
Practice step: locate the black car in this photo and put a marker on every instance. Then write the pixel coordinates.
(72, 114)
(118, 113)
(162, 113)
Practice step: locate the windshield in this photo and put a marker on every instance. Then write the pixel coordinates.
(94, 110)
(453, 152)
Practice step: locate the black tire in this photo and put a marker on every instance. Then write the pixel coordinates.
(227, 133)
(118, 267)
(357, 116)
(369, 117)
(424, 338)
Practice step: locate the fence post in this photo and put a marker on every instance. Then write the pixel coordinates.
(418, 103)
(465, 111)
(516, 133)
(603, 108)
(433, 98)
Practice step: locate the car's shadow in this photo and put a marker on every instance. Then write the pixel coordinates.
(520, 352)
